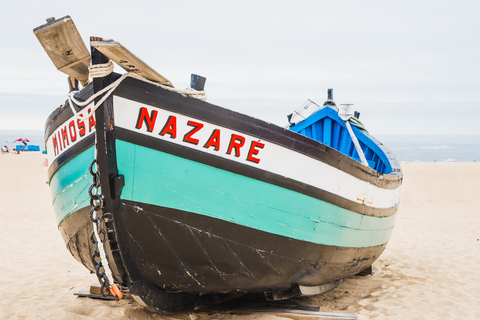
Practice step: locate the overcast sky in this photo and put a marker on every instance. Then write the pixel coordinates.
(409, 67)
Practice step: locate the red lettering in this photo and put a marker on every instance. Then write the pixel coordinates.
(196, 127)
(144, 117)
(91, 122)
(254, 151)
(64, 136)
(236, 142)
(55, 145)
(59, 140)
(81, 126)
(214, 140)
(73, 134)
(170, 127)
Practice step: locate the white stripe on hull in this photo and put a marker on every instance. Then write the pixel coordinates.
(253, 152)
(69, 133)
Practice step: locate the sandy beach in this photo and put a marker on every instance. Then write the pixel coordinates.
(430, 269)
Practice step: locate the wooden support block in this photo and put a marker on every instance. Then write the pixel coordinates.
(95, 290)
(365, 272)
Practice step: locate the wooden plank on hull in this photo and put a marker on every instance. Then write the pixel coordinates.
(128, 61)
(62, 42)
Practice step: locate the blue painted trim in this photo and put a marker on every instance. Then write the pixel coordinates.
(328, 128)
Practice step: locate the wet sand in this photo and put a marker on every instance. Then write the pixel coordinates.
(430, 269)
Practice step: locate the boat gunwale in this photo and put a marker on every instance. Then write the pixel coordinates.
(131, 89)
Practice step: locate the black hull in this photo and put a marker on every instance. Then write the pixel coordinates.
(200, 255)
(76, 231)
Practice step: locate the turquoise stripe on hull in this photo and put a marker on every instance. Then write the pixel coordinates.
(165, 180)
(69, 185)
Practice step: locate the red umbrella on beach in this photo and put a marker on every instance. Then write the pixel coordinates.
(23, 139)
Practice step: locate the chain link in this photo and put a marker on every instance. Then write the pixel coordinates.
(98, 235)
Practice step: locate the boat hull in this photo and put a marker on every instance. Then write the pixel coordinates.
(199, 254)
(215, 202)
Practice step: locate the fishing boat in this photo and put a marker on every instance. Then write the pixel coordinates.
(185, 204)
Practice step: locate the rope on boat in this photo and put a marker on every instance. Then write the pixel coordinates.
(103, 255)
(102, 70)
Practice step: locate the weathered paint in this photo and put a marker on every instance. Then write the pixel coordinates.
(69, 185)
(197, 253)
(165, 180)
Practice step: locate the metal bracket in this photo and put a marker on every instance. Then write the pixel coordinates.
(117, 182)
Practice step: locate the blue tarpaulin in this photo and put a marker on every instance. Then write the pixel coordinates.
(30, 147)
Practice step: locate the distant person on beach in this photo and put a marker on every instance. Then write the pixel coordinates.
(5, 150)
(16, 151)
